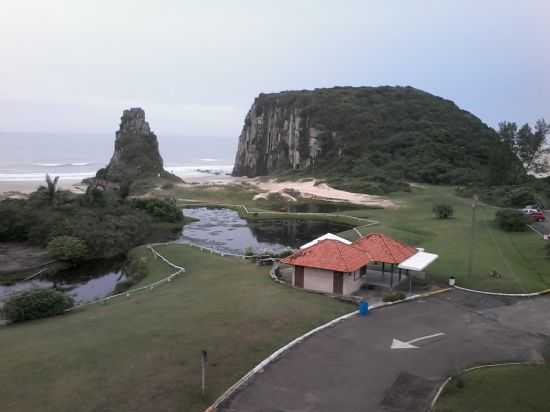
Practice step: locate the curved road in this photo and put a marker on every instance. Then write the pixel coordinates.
(351, 367)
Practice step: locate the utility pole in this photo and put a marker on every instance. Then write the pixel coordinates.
(204, 362)
(472, 235)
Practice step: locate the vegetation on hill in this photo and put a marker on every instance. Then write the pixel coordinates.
(375, 138)
(98, 224)
(527, 143)
(136, 155)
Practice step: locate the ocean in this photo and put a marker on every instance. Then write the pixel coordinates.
(27, 157)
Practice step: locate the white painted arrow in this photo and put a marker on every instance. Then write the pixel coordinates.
(399, 344)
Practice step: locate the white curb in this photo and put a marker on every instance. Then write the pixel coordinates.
(491, 365)
(518, 295)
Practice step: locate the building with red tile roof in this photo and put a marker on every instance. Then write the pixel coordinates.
(332, 266)
(330, 255)
(384, 249)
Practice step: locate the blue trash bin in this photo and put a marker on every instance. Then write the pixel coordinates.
(363, 308)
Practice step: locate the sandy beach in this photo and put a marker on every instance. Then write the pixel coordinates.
(308, 189)
(313, 190)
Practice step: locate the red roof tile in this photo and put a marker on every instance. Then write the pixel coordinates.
(383, 248)
(330, 255)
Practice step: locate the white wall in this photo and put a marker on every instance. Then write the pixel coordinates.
(323, 280)
(351, 285)
(318, 279)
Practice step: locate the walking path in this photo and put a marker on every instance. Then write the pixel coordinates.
(352, 366)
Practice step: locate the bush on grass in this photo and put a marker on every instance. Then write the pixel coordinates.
(393, 296)
(159, 209)
(511, 220)
(443, 210)
(67, 248)
(36, 304)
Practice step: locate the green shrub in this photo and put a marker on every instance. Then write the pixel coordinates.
(67, 248)
(159, 209)
(511, 220)
(249, 251)
(509, 196)
(135, 271)
(393, 296)
(443, 210)
(36, 304)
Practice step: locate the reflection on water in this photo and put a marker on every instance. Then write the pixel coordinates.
(224, 230)
(86, 283)
(318, 207)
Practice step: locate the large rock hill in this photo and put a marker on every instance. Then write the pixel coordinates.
(394, 132)
(136, 154)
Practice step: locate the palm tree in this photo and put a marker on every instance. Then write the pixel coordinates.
(51, 188)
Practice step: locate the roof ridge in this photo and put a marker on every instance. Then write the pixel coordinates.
(388, 248)
(341, 256)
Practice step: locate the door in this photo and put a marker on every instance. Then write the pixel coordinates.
(299, 276)
(338, 285)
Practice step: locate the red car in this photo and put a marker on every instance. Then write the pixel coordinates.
(536, 216)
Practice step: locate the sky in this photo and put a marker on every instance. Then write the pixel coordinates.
(195, 66)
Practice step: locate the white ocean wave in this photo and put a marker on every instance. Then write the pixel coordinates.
(192, 171)
(62, 164)
(38, 177)
(208, 159)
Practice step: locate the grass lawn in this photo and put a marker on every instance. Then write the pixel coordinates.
(502, 389)
(519, 257)
(142, 353)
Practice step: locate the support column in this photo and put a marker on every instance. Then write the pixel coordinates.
(391, 276)
(410, 281)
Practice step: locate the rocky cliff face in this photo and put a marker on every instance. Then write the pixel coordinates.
(275, 137)
(136, 154)
(380, 133)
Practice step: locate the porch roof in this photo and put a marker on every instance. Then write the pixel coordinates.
(418, 262)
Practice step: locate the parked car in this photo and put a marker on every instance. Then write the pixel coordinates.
(529, 210)
(536, 216)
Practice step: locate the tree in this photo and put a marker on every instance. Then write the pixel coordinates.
(508, 132)
(67, 248)
(526, 144)
(443, 210)
(51, 187)
(511, 220)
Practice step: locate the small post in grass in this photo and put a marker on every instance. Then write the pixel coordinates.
(472, 236)
(204, 361)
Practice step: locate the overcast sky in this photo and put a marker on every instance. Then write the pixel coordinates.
(196, 66)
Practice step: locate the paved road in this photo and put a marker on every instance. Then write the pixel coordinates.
(351, 367)
(543, 227)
